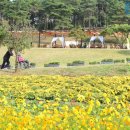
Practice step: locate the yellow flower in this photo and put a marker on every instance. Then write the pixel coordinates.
(98, 103)
(104, 95)
(9, 126)
(119, 106)
(117, 100)
(65, 108)
(108, 100)
(127, 121)
(91, 123)
(80, 98)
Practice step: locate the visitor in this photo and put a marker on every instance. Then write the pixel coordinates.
(23, 63)
(6, 62)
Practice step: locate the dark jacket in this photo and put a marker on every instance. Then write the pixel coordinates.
(8, 54)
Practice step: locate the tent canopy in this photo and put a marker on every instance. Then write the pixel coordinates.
(101, 38)
(62, 39)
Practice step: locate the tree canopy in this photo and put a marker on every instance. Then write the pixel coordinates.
(120, 32)
(63, 14)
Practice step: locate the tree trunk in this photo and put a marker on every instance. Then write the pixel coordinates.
(39, 41)
(89, 23)
(16, 62)
(81, 43)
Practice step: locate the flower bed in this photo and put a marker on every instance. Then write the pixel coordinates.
(57, 102)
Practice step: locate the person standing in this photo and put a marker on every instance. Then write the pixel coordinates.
(6, 58)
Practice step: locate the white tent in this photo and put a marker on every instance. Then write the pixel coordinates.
(101, 38)
(62, 39)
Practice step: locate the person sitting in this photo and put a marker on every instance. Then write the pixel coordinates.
(6, 62)
(23, 63)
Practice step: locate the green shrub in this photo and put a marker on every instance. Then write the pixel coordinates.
(127, 59)
(70, 64)
(55, 63)
(111, 40)
(94, 63)
(78, 62)
(45, 65)
(52, 64)
(119, 61)
(33, 64)
(107, 60)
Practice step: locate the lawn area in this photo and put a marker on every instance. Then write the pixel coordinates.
(41, 56)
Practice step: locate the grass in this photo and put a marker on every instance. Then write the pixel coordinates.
(42, 56)
(100, 70)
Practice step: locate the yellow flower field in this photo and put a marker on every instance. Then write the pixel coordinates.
(64, 103)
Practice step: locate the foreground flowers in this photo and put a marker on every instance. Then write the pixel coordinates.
(56, 102)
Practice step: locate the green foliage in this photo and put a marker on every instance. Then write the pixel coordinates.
(17, 12)
(63, 14)
(76, 63)
(56, 63)
(107, 60)
(77, 33)
(52, 64)
(3, 31)
(120, 32)
(94, 63)
(32, 64)
(127, 59)
(119, 61)
(19, 40)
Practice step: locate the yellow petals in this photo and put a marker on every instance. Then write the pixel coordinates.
(64, 103)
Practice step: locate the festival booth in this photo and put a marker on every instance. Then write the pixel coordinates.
(62, 40)
(93, 38)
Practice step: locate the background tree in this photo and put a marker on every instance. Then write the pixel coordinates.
(57, 15)
(36, 17)
(17, 14)
(63, 14)
(88, 13)
(18, 41)
(3, 31)
(78, 34)
(120, 32)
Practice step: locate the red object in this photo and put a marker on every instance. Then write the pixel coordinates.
(20, 59)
